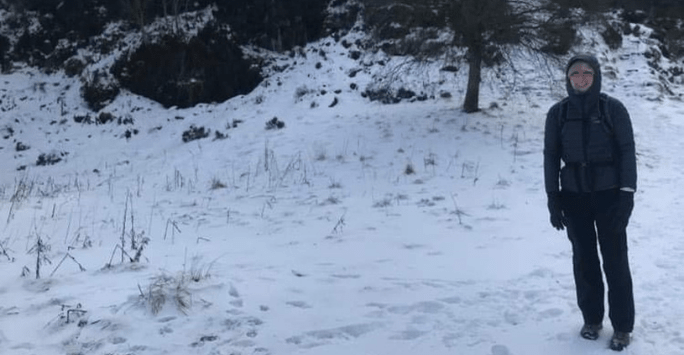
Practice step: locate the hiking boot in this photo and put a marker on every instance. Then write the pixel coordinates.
(619, 341)
(590, 331)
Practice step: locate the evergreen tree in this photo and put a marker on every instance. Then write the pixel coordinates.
(485, 27)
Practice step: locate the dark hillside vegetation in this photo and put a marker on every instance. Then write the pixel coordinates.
(190, 52)
(207, 68)
(168, 66)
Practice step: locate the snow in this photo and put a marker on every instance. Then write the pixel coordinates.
(320, 243)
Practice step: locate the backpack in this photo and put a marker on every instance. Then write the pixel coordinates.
(603, 113)
(589, 155)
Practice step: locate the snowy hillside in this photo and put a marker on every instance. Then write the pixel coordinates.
(357, 228)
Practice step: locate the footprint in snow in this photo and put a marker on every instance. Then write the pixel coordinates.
(512, 318)
(409, 334)
(298, 304)
(500, 350)
(324, 336)
(550, 313)
(421, 307)
(346, 276)
(451, 300)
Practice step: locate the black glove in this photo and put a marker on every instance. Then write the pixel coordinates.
(623, 210)
(558, 221)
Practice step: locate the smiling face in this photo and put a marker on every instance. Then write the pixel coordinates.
(581, 76)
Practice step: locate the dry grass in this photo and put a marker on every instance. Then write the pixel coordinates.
(164, 289)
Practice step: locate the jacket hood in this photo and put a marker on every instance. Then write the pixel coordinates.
(595, 88)
(583, 104)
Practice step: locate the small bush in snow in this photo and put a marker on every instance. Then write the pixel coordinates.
(200, 272)
(21, 147)
(129, 133)
(166, 288)
(409, 169)
(320, 155)
(300, 92)
(384, 95)
(385, 202)
(7, 133)
(502, 183)
(235, 123)
(217, 184)
(104, 117)
(40, 249)
(496, 205)
(50, 159)
(335, 185)
(274, 123)
(99, 90)
(218, 135)
(83, 119)
(127, 120)
(195, 133)
(612, 37)
(405, 94)
(331, 200)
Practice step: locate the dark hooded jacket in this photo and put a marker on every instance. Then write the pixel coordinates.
(597, 155)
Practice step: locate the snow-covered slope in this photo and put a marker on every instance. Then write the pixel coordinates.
(358, 228)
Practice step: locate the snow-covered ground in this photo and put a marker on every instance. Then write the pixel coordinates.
(316, 238)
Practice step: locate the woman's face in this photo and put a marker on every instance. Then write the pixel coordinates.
(581, 76)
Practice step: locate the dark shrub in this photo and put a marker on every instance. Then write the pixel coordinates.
(195, 133)
(391, 20)
(50, 159)
(99, 91)
(275, 25)
(405, 94)
(384, 95)
(343, 17)
(612, 37)
(74, 67)
(558, 37)
(208, 68)
(104, 117)
(670, 32)
(274, 123)
(4, 48)
(634, 16)
(83, 119)
(21, 147)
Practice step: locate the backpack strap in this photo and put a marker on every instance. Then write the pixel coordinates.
(605, 112)
(563, 113)
(562, 117)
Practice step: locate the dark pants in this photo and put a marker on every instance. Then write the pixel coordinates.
(589, 215)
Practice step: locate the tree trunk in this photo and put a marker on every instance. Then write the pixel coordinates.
(472, 98)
